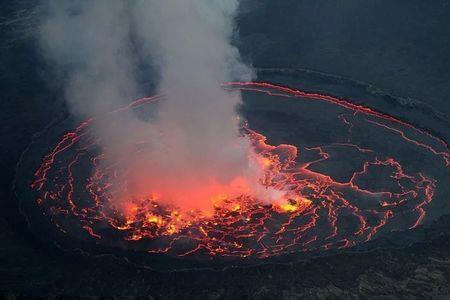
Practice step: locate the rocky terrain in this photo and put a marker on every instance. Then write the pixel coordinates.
(398, 49)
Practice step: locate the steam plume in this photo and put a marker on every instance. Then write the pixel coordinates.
(196, 152)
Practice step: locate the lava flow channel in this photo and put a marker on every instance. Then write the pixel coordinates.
(322, 212)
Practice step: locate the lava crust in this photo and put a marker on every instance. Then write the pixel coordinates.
(346, 178)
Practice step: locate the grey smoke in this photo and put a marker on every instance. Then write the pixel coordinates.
(89, 40)
(195, 137)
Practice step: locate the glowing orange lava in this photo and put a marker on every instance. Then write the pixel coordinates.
(312, 211)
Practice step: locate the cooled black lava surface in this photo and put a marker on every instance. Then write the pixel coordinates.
(369, 156)
(401, 47)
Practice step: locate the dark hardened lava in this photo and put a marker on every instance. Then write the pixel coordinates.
(348, 167)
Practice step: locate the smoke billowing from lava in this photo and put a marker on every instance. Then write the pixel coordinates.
(191, 154)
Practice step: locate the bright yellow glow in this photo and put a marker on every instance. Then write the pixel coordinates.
(154, 219)
(266, 162)
(288, 207)
(172, 229)
(295, 204)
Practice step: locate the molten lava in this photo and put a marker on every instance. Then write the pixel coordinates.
(309, 210)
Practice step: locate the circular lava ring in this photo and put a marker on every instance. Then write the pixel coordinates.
(349, 167)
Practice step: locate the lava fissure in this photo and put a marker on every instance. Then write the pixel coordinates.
(320, 212)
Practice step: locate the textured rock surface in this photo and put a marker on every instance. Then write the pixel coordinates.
(414, 272)
(412, 60)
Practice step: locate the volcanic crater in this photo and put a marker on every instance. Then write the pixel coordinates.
(352, 173)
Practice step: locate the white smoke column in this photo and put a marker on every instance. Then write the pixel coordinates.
(88, 42)
(89, 39)
(195, 152)
(191, 41)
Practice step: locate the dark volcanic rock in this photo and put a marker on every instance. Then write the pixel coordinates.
(420, 270)
(402, 46)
